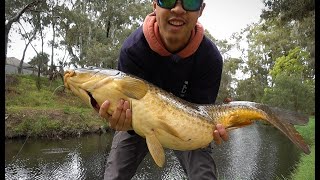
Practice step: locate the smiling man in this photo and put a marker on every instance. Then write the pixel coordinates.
(175, 30)
(170, 51)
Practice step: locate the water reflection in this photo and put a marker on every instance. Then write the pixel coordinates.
(254, 152)
(149, 170)
(76, 158)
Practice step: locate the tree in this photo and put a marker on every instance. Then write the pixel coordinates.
(268, 40)
(255, 62)
(291, 93)
(52, 16)
(293, 83)
(230, 67)
(228, 79)
(293, 64)
(84, 28)
(41, 62)
(105, 23)
(288, 10)
(300, 14)
(28, 39)
(14, 10)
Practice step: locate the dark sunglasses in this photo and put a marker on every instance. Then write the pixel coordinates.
(188, 5)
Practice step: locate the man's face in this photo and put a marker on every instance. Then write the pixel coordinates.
(176, 24)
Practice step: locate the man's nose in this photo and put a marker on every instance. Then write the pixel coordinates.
(178, 8)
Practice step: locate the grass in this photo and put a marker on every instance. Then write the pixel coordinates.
(48, 112)
(24, 92)
(305, 168)
(308, 131)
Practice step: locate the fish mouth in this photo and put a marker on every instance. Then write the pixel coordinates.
(72, 85)
(93, 102)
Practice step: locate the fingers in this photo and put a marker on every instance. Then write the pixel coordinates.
(116, 115)
(220, 134)
(123, 119)
(127, 125)
(103, 109)
(216, 137)
(223, 133)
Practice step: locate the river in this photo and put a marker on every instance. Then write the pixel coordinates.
(258, 152)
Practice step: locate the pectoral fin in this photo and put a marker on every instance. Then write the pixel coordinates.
(156, 150)
(132, 87)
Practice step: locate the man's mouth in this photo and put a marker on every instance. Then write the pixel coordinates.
(176, 23)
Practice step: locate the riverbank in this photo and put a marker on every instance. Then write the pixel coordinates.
(50, 112)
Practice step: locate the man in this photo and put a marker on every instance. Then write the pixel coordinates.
(170, 51)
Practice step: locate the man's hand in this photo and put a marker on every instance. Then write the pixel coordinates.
(121, 118)
(220, 133)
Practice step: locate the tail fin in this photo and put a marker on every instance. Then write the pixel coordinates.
(241, 113)
(280, 119)
(291, 117)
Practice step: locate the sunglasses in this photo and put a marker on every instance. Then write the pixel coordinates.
(188, 5)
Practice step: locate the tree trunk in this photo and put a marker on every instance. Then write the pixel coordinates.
(24, 53)
(6, 38)
(108, 28)
(52, 52)
(81, 50)
(40, 62)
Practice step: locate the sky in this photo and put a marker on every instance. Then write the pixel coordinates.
(224, 17)
(220, 17)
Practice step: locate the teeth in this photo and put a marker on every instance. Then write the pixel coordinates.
(176, 23)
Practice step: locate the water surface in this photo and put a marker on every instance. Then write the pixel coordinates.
(254, 152)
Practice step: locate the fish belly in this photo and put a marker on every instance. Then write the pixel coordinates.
(173, 127)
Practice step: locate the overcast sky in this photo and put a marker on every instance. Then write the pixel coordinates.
(220, 17)
(224, 17)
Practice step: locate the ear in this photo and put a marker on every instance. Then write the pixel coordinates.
(202, 8)
(154, 5)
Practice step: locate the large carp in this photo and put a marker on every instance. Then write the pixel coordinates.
(165, 120)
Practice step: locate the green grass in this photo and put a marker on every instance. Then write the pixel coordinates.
(42, 125)
(308, 131)
(52, 122)
(25, 93)
(305, 168)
